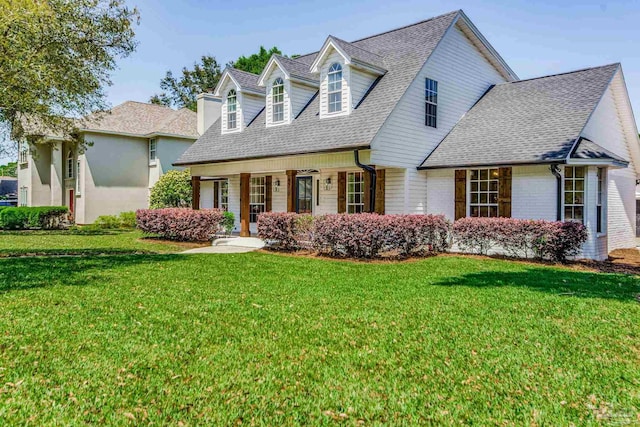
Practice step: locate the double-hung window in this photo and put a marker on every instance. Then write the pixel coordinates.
(23, 196)
(277, 100)
(431, 103)
(70, 165)
(224, 195)
(574, 187)
(601, 200)
(334, 88)
(483, 194)
(153, 150)
(232, 103)
(257, 196)
(355, 192)
(24, 153)
(78, 177)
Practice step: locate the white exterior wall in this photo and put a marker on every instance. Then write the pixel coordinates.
(206, 194)
(394, 190)
(441, 192)
(277, 72)
(533, 193)
(361, 81)
(251, 107)
(605, 129)
(168, 150)
(300, 96)
(463, 75)
(57, 175)
(330, 59)
(239, 113)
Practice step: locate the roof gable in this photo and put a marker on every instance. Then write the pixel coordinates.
(352, 54)
(244, 82)
(292, 69)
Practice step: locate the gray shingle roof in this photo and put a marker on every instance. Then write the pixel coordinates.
(296, 68)
(247, 81)
(404, 50)
(589, 150)
(358, 53)
(528, 121)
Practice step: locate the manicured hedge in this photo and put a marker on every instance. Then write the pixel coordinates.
(520, 238)
(356, 236)
(38, 217)
(180, 223)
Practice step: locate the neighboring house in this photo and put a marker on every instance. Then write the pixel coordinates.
(424, 119)
(8, 191)
(128, 149)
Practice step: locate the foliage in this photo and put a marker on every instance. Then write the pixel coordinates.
(127, 219)
(173, 190)
(112, 222)
(180, 224)
(256, 62)
(356, 236)
(82, 240)
(10, 169)
(520, 238)
(228, 222)
(280, 341)
(182, 91)
(24, 218)
(55, 60)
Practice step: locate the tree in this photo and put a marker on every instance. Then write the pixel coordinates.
(181, 92)
(255, 63)
(10, 169)
(173, 190)
(55, 60)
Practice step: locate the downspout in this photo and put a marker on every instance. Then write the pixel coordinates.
(555, 170)
(372, 189)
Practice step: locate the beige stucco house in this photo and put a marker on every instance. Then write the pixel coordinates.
(423, 119)
(128, 149)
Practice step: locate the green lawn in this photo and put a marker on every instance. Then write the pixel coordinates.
(276, 340)
(80, 242)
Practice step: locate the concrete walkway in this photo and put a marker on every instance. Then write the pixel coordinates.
(229, 245)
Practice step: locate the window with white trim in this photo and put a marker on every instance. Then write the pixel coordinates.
(78, 177)
(431, 103)
(574, 187)
(224, 195)
(257, 196)
(153, 150)
(277, 100)
(483, 193)
(334, 88)
(601, 200)
(355, 192)
(22, 197)
(232, 104)
(69, 165)
(23, 156)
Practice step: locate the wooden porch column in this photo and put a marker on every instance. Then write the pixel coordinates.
(291, 190)
(195, 188)
(245, 179)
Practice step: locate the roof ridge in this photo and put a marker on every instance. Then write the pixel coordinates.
(561, 74)
(407, 26)
(143, 103)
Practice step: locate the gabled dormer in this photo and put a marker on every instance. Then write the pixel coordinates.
(289, 87)
(346, 72)
(242, 99)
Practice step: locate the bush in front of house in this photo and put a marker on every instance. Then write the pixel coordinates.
(173, 190)
(228, 222)
(36, 217)
(180, 224)
(356, 236)
(112, 222)
(520, 238)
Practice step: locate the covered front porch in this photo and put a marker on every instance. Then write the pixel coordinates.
(314, 184)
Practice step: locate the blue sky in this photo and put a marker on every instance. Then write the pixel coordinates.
(534, 37)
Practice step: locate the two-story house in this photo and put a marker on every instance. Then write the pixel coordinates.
(426, 118)
(128, 149)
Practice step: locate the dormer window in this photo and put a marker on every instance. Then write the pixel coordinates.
(334, 88)
(231, 109)
(277, 100)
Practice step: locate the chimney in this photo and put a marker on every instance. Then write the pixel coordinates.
(208, 111)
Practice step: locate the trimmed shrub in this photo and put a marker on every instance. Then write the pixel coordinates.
(37, 217)
(228, 222)
(180, 224)
(173, 190)
(283, 230)
(107, 222)
(127, 219)
(520, 238)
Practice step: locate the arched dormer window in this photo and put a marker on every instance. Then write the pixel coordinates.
(277, 100)
(334, 88)
(70, 164)
(231, 109)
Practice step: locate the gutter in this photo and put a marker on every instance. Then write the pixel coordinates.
(372, 188)
(555, 170)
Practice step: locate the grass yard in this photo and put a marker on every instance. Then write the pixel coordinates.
(82, 242)
(275, 340)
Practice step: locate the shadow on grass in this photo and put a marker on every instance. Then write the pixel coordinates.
(80, 231)
(553, 281)
(28, 273)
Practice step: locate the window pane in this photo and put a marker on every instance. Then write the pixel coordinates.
(579, 172)
(484, 174)
(579, 185)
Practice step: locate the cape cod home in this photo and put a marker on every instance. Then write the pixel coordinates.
(128, 149)
(426, 118)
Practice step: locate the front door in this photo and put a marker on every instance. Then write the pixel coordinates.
(304, 195)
